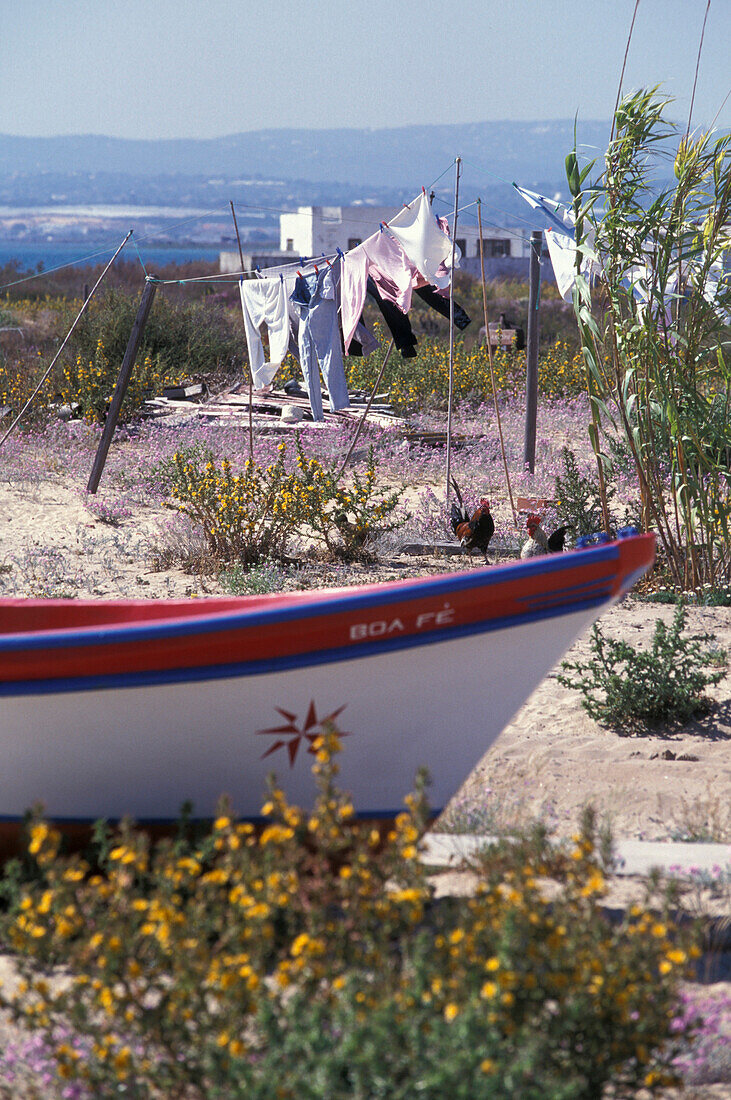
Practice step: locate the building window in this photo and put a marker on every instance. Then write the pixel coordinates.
(290, 244)
(461, 245)
(497, 247)
(353, 242)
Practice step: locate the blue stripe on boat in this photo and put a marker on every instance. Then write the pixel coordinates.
(308, 659)
(596, 584)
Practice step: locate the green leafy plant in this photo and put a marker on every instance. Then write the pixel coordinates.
(578, 497)
(347, 519)
(703, 597)
(266, 576)
(311, 959)
(634, 688)
(657, 351)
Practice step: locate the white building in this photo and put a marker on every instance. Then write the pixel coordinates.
(311, 230)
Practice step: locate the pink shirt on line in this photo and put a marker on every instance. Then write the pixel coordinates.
(381, 257)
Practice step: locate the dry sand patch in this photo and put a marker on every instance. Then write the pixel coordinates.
(553, 757)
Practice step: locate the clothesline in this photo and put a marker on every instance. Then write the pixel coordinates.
(494, 225)
(236, 276)
(320, 305)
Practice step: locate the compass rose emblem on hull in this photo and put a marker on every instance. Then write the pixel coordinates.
(291, 735)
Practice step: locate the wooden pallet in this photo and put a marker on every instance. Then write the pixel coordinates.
(266, 409)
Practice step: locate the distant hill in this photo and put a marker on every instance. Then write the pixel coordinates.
(528, 152)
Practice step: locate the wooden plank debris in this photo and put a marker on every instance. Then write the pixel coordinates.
(266, 408)
(434, 438)
(186, 393)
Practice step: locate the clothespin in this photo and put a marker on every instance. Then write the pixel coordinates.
(382, 226)
(423, 189)
(281, 278)
(300, 274)
(340, 253)
(316, 271)
(257, 270)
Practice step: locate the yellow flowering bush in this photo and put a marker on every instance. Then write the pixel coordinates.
(308, 957)
(246, 516)
(90, 384)
(345, 518)
(412, 383)
(250, 516)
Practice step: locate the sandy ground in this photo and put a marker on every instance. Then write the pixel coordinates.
(553, 758)
(550, 761)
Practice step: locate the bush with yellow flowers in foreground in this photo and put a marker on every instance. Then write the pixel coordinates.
(252, 515)
(309, 959)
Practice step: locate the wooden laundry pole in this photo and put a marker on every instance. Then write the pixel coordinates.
(125, 372)
(251, 384)
(492, 366)
(531, 356)
(458, 167)
(361, 422)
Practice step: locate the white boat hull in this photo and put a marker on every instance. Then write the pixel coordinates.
(145, 750)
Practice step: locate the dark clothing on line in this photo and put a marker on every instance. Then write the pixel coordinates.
(397, 322)
(430, 295)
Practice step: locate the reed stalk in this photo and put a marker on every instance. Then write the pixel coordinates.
(657, 354)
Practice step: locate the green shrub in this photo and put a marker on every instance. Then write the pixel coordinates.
(632, 688)
(311, 960)
(577, 497)
(707, 596)
(189, 340)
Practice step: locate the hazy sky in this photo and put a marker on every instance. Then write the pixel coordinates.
(206, 68)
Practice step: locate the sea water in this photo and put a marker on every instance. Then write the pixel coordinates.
(51, 254)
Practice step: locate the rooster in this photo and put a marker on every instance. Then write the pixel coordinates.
(475, 531)
(539, 542)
